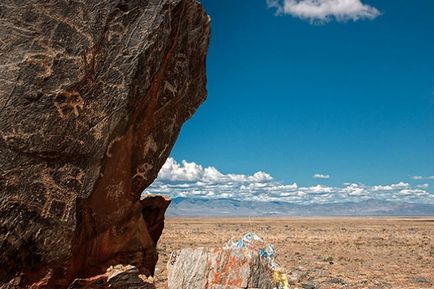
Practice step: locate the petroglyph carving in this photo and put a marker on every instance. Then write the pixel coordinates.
(149, 146)
(68, 103)
(142, 171)
(168, 86)
(114, 192)
(110, 146)
(57, 203)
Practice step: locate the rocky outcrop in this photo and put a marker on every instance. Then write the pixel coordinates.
(92, 98)
(116, 277)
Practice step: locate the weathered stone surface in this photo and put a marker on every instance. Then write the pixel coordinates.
(92, 98)
(116, 277)
(218, 269)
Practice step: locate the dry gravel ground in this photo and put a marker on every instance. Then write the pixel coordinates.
(322, 252)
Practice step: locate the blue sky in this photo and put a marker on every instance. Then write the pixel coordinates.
(296, 91)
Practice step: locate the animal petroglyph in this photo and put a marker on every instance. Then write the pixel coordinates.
(58, 204)
(68, 103)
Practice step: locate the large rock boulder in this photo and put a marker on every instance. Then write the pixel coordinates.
(247, 263)
(218, 268)
(92, 98)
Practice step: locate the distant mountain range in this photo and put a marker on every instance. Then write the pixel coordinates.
(232, 208)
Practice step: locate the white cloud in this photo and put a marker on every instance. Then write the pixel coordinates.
(188, 179)
(421, 178)
(411, 192)
(398, 186)
(321, 176)
(324, 10)
(318, 189)
(172, 171)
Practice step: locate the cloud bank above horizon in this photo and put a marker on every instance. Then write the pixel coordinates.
(322, 11)
(188, 179)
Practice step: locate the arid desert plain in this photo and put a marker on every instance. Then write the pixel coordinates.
(324, 253)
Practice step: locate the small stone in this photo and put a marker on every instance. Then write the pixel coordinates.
(292, 280)
(420, 279)
(336, 280)
(309, 285)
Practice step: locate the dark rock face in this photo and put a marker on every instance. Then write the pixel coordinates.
(92, 98)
